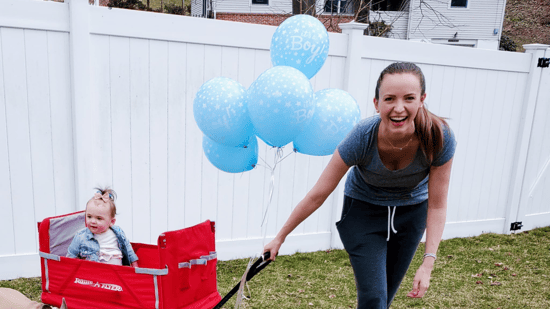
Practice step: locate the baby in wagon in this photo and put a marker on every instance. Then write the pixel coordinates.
(101, 240)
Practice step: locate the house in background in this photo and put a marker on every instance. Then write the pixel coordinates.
(470, 23)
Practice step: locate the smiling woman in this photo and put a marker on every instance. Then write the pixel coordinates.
(403, 93)
(395, 159)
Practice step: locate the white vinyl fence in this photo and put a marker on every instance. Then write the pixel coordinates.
(96, 96)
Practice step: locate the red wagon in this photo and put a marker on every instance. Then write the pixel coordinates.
(177, 273)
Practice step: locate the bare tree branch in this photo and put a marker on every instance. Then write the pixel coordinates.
(429, 12)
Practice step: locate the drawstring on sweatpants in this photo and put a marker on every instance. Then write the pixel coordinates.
(390, 221)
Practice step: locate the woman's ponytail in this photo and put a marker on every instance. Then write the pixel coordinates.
(429, 129)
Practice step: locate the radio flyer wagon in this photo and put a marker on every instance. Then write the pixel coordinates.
(177, 273)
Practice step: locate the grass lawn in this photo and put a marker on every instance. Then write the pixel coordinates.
(487, 271)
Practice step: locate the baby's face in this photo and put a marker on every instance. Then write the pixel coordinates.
(98, 217)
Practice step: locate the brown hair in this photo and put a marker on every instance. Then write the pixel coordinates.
(112, 198)
(428, 126)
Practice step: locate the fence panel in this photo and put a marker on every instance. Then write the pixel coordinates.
(36, 134)
(7, 247)
(177, 111)
(62, 123)
(534, 209)
(119, 94)
(19, 139)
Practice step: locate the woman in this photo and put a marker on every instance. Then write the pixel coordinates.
(396, 158)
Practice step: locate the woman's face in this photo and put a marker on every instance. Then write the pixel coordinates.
(399, 101)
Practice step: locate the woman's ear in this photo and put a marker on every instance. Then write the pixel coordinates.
(375, 101)
(422, 98)
(113, 220)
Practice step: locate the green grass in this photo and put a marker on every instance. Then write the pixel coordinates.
(324, 279)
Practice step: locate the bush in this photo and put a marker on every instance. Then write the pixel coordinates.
(507, 44)
(379, 28)
(171, 8)
(127, 4)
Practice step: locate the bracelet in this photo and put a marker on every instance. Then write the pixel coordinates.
(431, 255)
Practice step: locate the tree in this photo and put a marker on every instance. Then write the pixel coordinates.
(332, 12)
(304, 7)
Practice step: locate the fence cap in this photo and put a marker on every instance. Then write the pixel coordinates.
(352, 25)
(535, 46)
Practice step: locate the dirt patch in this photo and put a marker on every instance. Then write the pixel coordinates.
(527, 22)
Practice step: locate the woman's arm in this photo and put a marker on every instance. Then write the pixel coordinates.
(329, 179)
(438, 188)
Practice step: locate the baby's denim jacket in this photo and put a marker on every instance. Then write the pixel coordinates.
(86, 247)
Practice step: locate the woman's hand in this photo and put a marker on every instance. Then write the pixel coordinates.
(438, 186)
(329, 179)
(134, 264)
(421, 280)
(273, 248)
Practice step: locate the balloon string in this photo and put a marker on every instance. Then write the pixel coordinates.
(238, 302)
(265, 163)
(278, 158)
(288, 155)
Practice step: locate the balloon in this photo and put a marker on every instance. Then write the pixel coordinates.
(221, 113)
(280, 104)
(335, 115)
(231, 159)
(301, 42)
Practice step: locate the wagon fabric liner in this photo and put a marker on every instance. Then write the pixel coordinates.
(177, 273)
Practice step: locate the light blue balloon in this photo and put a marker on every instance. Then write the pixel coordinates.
(221, 113)
(301, 42)
(335, 115)
(231, 159)
(280, 104)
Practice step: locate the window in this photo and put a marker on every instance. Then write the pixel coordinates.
(389, 5)
(260, 2)
(459, 3)
(338, 6)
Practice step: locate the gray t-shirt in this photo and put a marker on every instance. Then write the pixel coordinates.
(371, 181)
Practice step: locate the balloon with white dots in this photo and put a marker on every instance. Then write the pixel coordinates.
(336, 112)
(280, 104)
(221, 113)
(301, 42)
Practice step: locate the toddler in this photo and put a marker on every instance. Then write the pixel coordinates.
(101, 240)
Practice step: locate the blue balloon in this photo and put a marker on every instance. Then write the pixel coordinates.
(335, 115)
(221, 113)
(280, 104)
(231, 159)
(301, 42)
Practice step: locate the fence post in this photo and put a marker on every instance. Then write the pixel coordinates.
(352, 84)
(84, 133)
(524, 135)
(352, 69)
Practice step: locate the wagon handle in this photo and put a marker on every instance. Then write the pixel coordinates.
(260, 264)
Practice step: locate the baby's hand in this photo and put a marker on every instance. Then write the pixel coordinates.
(134, 264)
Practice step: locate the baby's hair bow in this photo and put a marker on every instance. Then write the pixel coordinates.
(106, 197)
